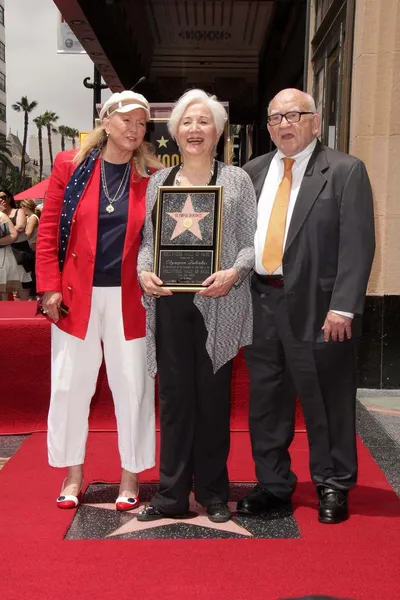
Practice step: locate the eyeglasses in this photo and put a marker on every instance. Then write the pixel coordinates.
(3, 197)
(293, 116)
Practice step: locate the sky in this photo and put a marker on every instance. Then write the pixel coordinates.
(34, 68)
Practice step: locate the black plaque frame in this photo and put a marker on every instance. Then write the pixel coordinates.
(204, 256)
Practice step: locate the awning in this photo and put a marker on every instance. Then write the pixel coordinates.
(36, 191)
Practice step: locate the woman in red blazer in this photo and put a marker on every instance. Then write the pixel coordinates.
(86, 257)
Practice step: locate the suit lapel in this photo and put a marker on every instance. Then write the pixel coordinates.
(312, 185)
(259, 178)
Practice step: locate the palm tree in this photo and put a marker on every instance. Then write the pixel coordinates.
(26, 107)
(40, 122)
(74, 133)
(64, 131)
(15, 182)
(50, 118)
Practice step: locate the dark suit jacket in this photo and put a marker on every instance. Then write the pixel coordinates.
(331, 241)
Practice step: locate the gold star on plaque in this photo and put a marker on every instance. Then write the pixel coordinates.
(187, 219)
(162, 142)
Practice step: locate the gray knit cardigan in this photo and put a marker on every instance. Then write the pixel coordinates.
(229, 319)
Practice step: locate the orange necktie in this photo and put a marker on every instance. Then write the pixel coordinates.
(273, 247)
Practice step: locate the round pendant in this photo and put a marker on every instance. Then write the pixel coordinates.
(110, 209)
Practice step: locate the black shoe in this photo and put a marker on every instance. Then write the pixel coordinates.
(219, 513)
(333, 507)
(152, 513)
(259, 501)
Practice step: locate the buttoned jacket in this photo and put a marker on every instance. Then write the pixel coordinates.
(330, 244)
(75, 282)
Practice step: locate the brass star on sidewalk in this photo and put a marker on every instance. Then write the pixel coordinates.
(162, 142)
(201, 520)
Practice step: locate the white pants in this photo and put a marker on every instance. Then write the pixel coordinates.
(74, 372)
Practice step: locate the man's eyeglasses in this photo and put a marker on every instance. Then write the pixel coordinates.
(293, 116)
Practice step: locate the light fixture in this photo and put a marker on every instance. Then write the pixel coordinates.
(77, 22)
(87, 39)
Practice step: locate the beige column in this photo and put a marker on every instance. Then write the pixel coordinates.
(375, 128)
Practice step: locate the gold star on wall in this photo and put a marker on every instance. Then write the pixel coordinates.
(162, 142)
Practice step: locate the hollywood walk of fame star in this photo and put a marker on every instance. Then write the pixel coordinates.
(187, 219)
(162, 142)
(201, 520)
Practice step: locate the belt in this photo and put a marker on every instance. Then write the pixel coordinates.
(271, 280)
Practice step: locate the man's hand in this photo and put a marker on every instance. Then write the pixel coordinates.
(336, 327)
(219, 283)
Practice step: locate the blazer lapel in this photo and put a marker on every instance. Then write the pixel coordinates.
(312, 185)
(259, 178)
(89, 207)
(136, 212)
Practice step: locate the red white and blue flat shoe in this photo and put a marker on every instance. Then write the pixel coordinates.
(127, 502)
(69, 501)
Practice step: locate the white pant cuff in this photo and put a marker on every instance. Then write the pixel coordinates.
(138, 468)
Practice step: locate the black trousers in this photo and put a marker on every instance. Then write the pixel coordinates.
(323, 375)
(194, 409)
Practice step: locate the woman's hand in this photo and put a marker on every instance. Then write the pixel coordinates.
(219, 283)
(51, 302)
(150, 284)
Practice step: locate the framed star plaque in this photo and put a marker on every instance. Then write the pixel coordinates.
(188, 233)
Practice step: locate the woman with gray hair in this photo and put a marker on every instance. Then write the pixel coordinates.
(193, 337)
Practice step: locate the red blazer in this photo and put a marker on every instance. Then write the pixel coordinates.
(75, 281)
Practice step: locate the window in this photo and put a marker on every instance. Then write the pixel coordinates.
(332, 56)
(321, 8)
(2, 52)
(1, 15)
(2, 82)
(3, 112)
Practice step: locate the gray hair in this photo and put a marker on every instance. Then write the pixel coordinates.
(216, 108)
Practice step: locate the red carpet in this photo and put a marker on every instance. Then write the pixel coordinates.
(25, 380)
(358, 559)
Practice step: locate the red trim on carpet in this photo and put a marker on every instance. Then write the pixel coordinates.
(357, 559)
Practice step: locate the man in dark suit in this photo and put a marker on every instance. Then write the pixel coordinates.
(314, 248)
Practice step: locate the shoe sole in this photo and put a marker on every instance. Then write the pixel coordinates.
(219, 519)
(253, 513)
(332, 521)
(183, 517)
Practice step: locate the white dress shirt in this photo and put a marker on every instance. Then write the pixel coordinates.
(266, 201)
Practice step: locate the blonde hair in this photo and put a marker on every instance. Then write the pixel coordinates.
(30, 205)
(143, 157)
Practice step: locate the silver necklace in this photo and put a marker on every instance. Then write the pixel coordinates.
(178, 175)
(121, 188)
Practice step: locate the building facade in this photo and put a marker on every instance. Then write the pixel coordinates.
(3, 83)
(354, 73)
(31, 165)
